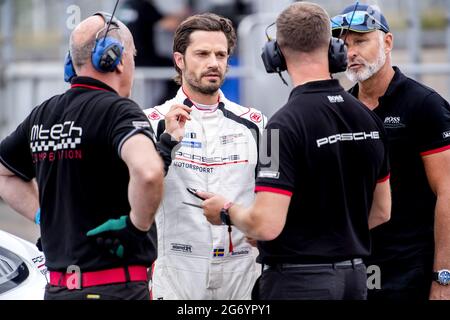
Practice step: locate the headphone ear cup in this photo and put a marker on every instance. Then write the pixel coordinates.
(69, 70)
(337, 56)
(107, 54)
(273, 58)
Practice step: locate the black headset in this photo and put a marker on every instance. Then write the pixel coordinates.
(274, 61)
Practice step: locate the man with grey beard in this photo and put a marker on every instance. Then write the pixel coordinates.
(413, 248)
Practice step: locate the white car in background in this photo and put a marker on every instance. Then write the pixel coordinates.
(23, 274)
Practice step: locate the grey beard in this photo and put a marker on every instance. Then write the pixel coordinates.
(369, 69)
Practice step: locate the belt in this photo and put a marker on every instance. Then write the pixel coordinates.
(340, 264)
(98, 278)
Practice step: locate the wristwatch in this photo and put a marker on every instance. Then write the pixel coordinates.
(224, 214)
(442, 277)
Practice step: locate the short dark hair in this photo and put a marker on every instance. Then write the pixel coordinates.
(201, 22)
(303, 27)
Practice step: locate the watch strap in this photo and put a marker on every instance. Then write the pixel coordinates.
(435, 276)
(224, 214)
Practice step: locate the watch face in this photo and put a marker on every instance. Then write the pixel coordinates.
(444, 277)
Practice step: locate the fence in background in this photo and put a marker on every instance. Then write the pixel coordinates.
(24, 85)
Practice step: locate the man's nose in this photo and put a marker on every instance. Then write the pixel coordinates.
(213, 62)
(351, 51)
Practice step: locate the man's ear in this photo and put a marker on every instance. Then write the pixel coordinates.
(179, 60)
(389, 42)
(120, 67)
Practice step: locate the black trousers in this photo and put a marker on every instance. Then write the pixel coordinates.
(313, 282)
(122, 291)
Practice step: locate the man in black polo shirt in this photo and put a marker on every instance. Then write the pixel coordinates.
(417, 121)
(327, 180)
(99, 177)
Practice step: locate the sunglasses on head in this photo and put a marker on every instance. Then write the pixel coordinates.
(357, 18)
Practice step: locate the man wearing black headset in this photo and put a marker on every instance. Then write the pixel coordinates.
(99, 177)
(413, 249)
(326, 181)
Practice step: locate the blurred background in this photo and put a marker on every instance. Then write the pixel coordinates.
(34, 40)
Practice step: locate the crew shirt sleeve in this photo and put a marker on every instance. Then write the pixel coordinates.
(385, 167)
(277, 160)
(432, 125)
(15, 151)
(129, 120)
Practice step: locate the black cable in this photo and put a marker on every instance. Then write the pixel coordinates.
(110, 20)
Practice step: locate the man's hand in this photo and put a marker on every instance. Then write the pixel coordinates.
(212, 206)
(116, 235)
(439, 292)
(176, 120)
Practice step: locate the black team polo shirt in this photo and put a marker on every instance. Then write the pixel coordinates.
(417, 122)
(332, 153)
(71, 144)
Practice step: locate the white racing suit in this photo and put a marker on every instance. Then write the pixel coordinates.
(218, 154)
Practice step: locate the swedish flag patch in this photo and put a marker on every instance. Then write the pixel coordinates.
(220, 252)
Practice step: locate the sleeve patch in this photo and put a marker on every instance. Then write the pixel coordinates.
(154, 115)
(256, 117)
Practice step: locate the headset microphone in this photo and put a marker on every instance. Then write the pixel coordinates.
(110, 20)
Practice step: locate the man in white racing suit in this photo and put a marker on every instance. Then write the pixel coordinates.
(218, 153)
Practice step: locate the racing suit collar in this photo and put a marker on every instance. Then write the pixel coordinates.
(182, 96)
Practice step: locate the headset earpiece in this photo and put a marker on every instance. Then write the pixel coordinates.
(69, 70)
(274, 61)
(337, 56)
(108, 51)
(107, 54)
(273, 58)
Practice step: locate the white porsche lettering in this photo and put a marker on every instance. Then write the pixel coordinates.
(357, 136)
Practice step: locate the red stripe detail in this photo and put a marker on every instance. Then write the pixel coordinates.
(151, 276)
(88, 87)
(249, 109)
(207, 110)
(273, 190)
(159, 111)
(101, 277)
(211, 164)
(40, 266)
(427, 153)
(230, 244)
(384, 179)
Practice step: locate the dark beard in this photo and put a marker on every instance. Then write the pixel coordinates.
(209, 90)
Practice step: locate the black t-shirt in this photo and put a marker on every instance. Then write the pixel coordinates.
(331, 154)
(417, 122)
(71, 144)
